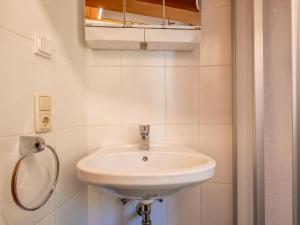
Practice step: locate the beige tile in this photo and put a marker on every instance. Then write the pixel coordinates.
(182, 95)
(214, 3)
(38, 165)
(216, 204)
(100, 136)
(103, 58)
(70, 93)
(189, 206)
(186, 135)
(143, 58)
(144, 95)
(1, 218)
(183, 58)
(34, 15)
(104, 209)
(71, 147)
(104, 95)
(131, 134)
(75, 211)
(159, 215)
(216, 36)
(216, 95)
(172, 203)
(21, 75)
(216, 141)
(69, 29)
(48, 220)
(129, 216)
(184, 207)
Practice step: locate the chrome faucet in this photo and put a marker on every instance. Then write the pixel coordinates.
(145, 135)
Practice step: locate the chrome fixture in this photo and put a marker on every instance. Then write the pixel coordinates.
(30, 145)
(144, 210)
(145, 135)
(124, 200)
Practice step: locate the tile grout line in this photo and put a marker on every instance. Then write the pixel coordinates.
(165, 77)
(15, 33)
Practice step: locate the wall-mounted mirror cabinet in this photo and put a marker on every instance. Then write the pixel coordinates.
(132, 24)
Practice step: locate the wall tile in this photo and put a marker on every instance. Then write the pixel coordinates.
(129, 214)
(1, 218)
(70, 93)
(215, 3)
(182, 95)
(144, 95)
(187, 135)
(104, 95)
(216, 95)
(69, 29)
(183, 58)
(172, 203)
(143, 58)
(159, 215)
(103, 58)
(104, 209)
(49, 220)
(184, 207)
(71, 147)
(24, 19)
(189, 206)
(131, 134)
(216, 141)
(22, 75)
(100, 136)
(216, 204)
(74, 211)
(216, 36)
(19, 82)
(36, 166)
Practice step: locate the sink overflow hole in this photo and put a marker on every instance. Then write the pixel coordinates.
(145, 158)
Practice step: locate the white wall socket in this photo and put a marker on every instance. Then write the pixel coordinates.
(43, 113)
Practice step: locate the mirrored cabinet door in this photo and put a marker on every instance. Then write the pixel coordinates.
(180, 14)
(144, 13)
(177, 14)
(109, 13)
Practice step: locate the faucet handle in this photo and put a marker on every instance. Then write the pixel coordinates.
(144, 129)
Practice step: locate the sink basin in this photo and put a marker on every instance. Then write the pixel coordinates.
(128, 172)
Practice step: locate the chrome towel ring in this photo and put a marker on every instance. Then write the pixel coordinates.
(28, 146)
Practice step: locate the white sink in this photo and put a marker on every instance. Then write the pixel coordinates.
(128, 172)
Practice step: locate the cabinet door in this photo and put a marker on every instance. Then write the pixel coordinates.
(180, 14)
(105, 13)
(144, 13)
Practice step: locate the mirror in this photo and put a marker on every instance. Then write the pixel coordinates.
(105, 12)
(182, 13)
(144, 13)
(176, 14)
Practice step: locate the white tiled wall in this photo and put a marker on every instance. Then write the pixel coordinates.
(100, 97)
(186, 97)
(21, 75)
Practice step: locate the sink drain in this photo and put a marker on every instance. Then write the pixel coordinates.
(145, 158)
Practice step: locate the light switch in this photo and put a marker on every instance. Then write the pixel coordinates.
(45, 103)
(43, 113)
(42, 45)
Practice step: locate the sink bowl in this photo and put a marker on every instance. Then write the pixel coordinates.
(128, 172)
